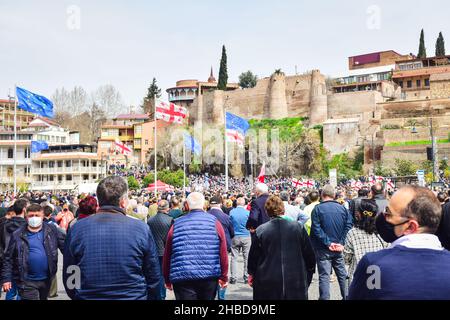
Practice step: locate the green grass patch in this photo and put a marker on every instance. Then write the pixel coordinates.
(415, 143)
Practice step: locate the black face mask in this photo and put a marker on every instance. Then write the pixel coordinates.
(386, 229)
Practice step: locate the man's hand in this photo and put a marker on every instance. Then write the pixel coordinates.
(223, 284)
(169, 286)
(7, 286)
(250, 280)
(336, 247)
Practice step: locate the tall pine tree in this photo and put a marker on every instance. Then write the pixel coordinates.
(422, 50)
(153, 92)
(440, 46)
(223, 72)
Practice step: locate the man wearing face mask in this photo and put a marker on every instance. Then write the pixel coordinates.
(116, 255)
(415, 266)
(31, 259)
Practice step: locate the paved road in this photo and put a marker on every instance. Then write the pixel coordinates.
(238, 291)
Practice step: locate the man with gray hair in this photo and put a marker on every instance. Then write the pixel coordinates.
(115, 255)
(160, 225)
(195, 257)
(293, 212)
(330, 224)
(258, 214)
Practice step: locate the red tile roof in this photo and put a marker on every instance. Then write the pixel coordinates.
(133, 116)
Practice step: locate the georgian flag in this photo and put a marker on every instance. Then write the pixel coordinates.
(389, 184)
(170, 112)
(297, 183)
(122, 148)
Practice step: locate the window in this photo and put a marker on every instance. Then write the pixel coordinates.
(427, 82)
(68, 177)
(93, 163)
(68, 164)
(10, 153)
(59, 178)
(338, 131)
(409, 84)
(60, 164)
(51, 178)
(146, 142)
(418, 83)
(85, 177)
(51, 164)
(27, 153)
(400, 83)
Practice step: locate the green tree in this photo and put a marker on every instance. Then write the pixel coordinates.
(422, 50)
(247, 80)
(404, 167)
(153, 92)
(223, 72)
(278, 72)
(133, 184)
(440, 46)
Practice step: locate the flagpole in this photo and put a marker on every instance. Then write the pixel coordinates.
(226, 148)
(156, 154)
(184, 168)
(15, 140)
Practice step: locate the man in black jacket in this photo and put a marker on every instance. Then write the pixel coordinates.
(258, 214)
(9, 227)
(443, 231)
(159, 226)
(31, 259)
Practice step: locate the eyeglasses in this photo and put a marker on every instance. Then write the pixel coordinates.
(387, 213)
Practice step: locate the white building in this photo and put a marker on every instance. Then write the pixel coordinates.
(23, 159)
(64, 167)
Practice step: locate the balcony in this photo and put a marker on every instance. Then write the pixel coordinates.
(19, 179)
(126, 138)
(182, 98)
(68, 170)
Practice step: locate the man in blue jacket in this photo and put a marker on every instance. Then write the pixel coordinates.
(258, 214)
(195, 256)
(415, 266)
(331, 222)
(113, 256)
(31, 260)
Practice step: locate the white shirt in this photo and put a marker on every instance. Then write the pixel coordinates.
(291, 211)
(419, 241)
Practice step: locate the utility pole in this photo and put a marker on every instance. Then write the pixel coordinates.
(434, 148)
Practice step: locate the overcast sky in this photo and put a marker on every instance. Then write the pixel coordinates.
(127, 43)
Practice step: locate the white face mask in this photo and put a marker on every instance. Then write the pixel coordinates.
(35, 222)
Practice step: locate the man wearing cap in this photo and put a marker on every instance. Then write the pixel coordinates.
(160, 225)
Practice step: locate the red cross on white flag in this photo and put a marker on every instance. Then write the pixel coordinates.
(122, 148)
(170, 112)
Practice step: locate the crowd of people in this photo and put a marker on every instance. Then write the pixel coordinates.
(380, 244)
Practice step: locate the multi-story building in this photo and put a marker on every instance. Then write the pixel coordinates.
(414, 76)
(127, 129)
(64, 167)
(47, 130)
(7, 116)
(370, 72)
(23, 159)
(185, 91)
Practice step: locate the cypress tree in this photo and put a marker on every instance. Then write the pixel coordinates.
(223, 73)
(440, 46)
(422, 50)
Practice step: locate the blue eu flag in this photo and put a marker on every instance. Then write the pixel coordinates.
(38, 146)
(34, 103)
(192, 144)
(237, 123)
